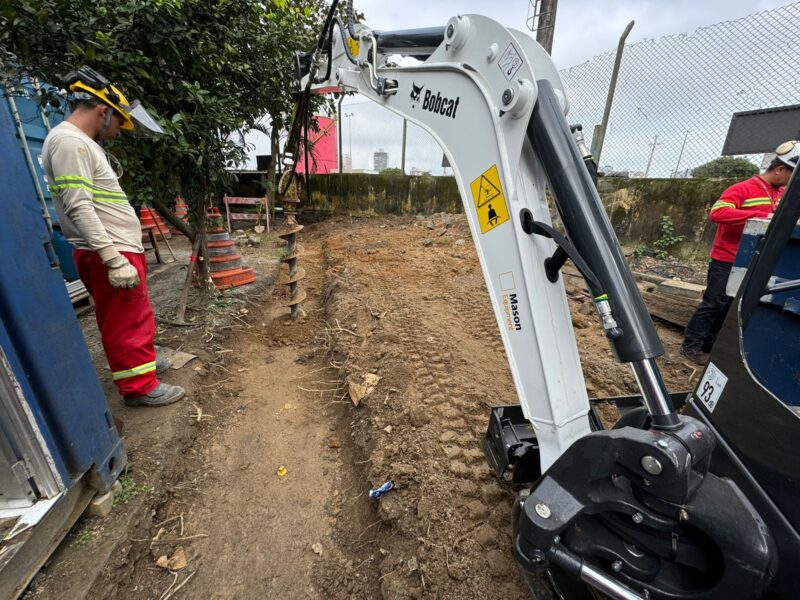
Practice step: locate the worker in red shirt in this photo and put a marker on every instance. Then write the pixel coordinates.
(754, 197)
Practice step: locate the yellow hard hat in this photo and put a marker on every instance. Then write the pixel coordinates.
(108, 95)
(86, 83)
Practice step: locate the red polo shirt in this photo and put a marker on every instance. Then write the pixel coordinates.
(753, 197)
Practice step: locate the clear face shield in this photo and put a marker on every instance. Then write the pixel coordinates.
(143, 118)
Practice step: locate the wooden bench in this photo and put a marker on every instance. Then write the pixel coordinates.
(261, 203)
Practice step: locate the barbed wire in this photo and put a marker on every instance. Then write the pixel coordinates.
(676, 95)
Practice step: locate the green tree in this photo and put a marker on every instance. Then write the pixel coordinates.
(392, 171)
(209, 68)
(726, 166)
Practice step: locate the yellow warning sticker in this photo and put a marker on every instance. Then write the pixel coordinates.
(489, 200)
(354, 46)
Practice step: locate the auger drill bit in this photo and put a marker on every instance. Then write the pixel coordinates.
(293, 249)
(295, 274)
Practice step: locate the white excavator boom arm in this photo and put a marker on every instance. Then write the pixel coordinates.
(475, 93)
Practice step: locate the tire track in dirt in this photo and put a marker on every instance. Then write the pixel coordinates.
(415, 295)
(436, 342)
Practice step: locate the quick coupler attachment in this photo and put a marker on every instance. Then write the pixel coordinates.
(511, 442)
(639, 509)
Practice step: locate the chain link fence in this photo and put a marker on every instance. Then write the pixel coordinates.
(676, 95)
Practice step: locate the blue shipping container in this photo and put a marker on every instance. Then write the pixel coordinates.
(23, 107)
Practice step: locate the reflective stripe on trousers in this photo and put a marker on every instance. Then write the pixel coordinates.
(140, 370)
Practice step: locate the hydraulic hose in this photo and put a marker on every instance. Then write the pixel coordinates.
(301, 115)
(337, 22)
(328, 19)
(349, 12)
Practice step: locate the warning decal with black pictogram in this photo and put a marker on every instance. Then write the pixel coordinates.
(490, 203)
(487, 191)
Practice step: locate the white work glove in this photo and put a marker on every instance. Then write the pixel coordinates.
(121, 273)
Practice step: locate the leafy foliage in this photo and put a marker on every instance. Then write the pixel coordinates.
(130, 488)
(392, 171)
(208, 68)
(668, 237)
(82, 538)
(726, 166)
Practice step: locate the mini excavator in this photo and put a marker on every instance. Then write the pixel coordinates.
(689, 495)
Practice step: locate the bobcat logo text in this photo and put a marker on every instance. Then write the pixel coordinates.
(434, 101)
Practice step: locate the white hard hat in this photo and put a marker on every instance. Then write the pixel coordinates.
(788, 153)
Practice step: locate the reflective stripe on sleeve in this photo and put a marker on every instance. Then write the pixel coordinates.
(73, 179)
(722, 204)
(109, 200)
(756, 202)
(71, 186)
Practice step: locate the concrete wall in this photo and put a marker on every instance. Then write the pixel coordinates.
(385, 194)
(635, 206)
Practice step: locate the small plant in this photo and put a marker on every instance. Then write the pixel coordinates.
(668, 238)
(129, 489)
(83, 537)
(215, 223)
(220, 303)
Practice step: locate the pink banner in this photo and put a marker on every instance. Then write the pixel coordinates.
(323, 156)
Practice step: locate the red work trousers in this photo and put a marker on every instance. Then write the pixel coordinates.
(126, 321)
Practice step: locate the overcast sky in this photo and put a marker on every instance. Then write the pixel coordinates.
(583, 30)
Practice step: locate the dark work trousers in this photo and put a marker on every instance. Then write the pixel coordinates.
(703, 327)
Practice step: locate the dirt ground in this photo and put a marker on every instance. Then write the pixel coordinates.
(693, 271)
(398, 303)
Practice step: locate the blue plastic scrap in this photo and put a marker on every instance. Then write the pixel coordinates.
(380, 491)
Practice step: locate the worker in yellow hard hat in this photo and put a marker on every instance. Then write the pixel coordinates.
(88, 85)
(105, 232)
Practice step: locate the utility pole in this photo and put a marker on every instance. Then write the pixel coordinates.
(600, 131)
(403, 153)
(546, 23)
(350, 135)
(680, 155)
(652, 152)
(339, 117)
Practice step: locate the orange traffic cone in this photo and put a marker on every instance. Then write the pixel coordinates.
(149, 219)
(225, 261)
(215, 220)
